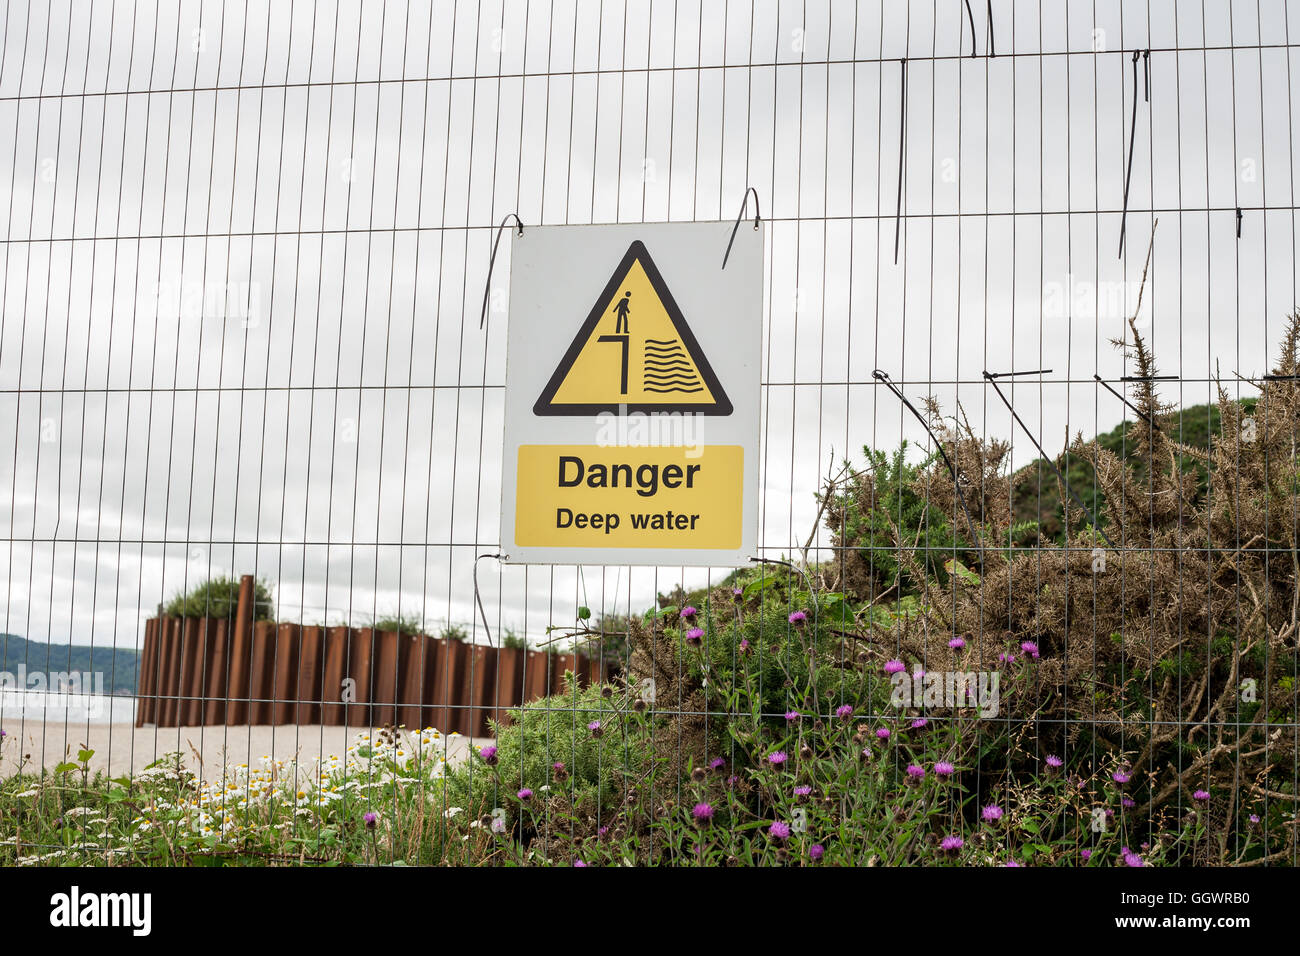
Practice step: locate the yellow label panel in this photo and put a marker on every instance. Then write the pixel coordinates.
(594, 496)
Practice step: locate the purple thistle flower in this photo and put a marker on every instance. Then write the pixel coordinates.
(744, 646)
(703, 812)
(371, 820)
(1132, 859)
(799, 618)
(792, 716)
(1254, 818)
(1201, 795)
(688, 613)
(951, 844)
(777, 757)
(716, 764)
(920, 723)
(737, 593)
(943, 768)
(489, 755)
(525, 795)
(1030, 648)
(1007, 658)
(578, 863)
(866, 753)
(957, 643)
(1085, 855)
(882, 733)
(603, 832)
(918, 672)
(595, 728)
(844, 712)
(816, 851)
(802, 791)
(694, 636)
(895, 666)
(915, 773)
(992, 813)
(1011, 863)
(1120, 777)
(1054, 762)
(779, 830)
(1128, 803)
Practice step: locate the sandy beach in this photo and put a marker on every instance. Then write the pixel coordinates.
(123, 748)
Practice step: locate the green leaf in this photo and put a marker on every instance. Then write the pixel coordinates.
(953, 566)
(83, 756)
(584, 613)
(66, 767)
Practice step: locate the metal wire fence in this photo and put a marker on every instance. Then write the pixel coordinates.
(245, 252)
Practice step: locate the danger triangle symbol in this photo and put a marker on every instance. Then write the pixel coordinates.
(634, 353)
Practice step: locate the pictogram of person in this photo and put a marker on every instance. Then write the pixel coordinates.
(623, 307)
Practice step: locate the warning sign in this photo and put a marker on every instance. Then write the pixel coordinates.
(632, 395)
(634, 350)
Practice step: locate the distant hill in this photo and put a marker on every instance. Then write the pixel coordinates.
(1037, 497)
(118, 665)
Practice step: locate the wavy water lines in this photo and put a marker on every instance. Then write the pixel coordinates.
(667, 367)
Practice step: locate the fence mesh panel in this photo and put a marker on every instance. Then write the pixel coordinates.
(255, 426)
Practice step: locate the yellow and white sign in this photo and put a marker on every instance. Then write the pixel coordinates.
(632, 391)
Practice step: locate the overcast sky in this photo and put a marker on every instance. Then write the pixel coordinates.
(246, 245)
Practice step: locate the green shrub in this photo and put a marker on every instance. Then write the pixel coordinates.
(890, 500)
(1165, 637)
(596, 765)
(770, 741)
(219, 598)
(401, 623)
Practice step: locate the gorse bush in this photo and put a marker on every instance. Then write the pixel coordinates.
(1175, 639)
(872, 508)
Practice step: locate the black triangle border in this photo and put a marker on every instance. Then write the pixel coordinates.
(637, 250)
